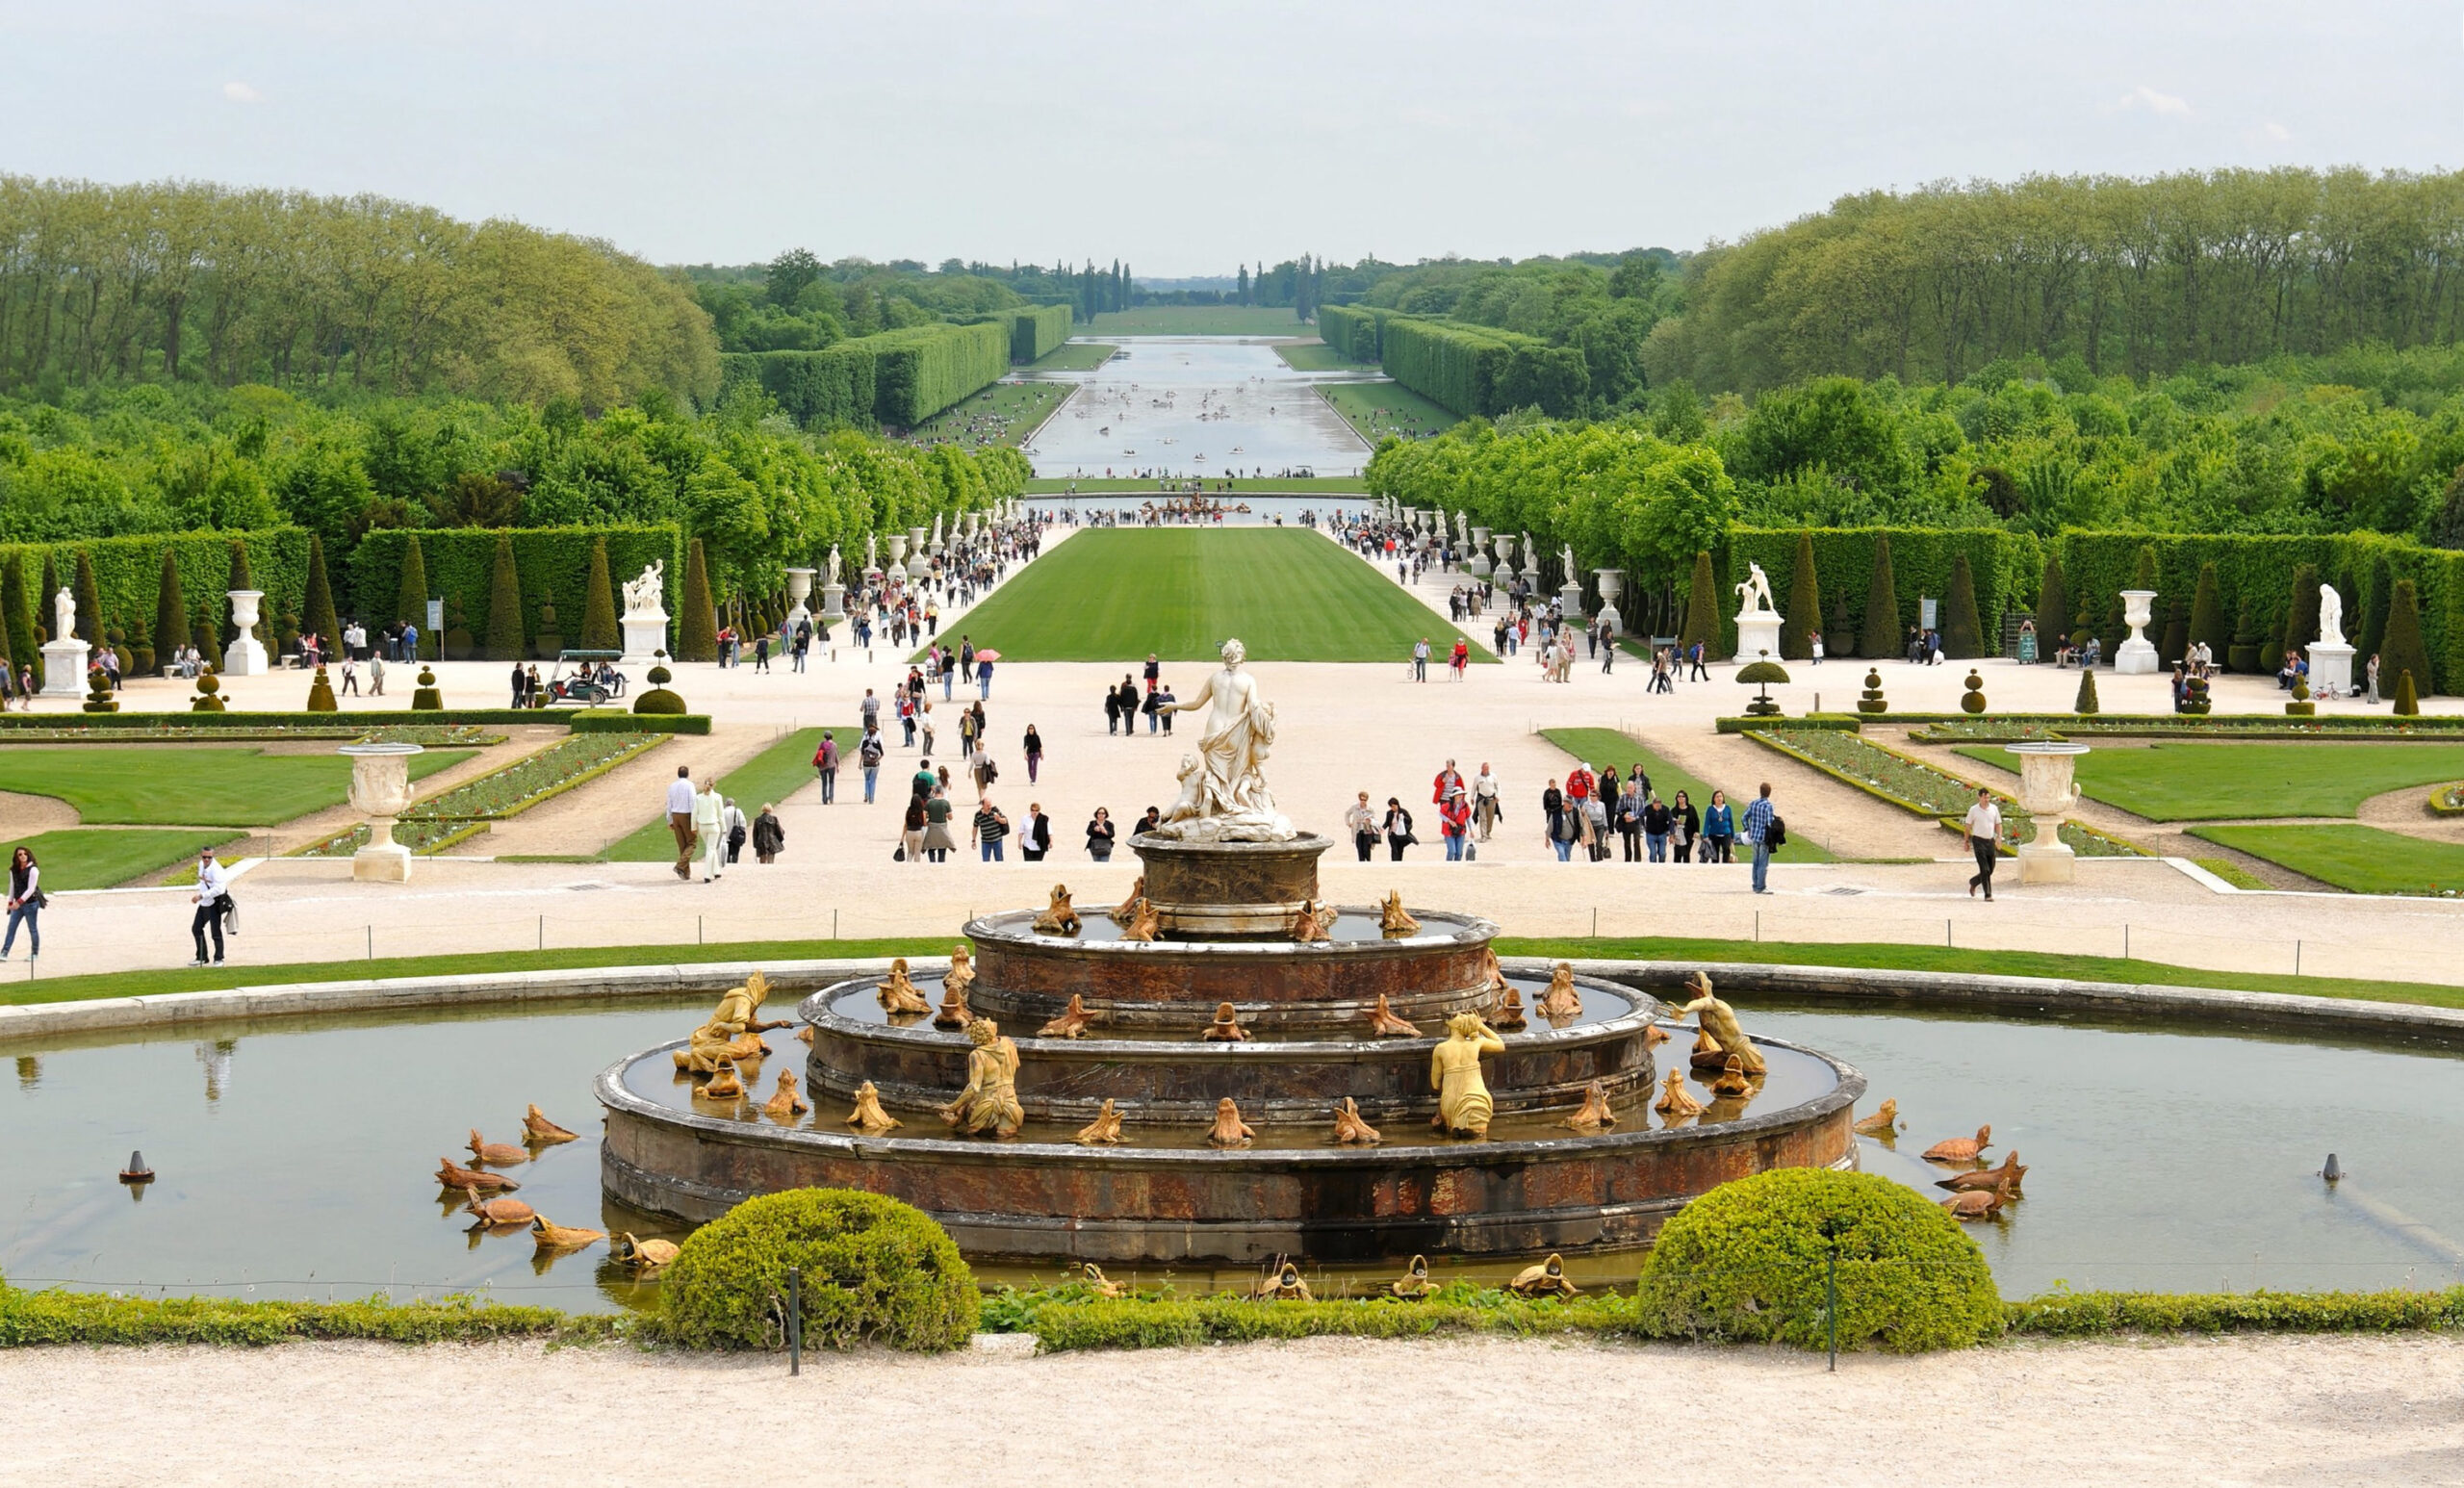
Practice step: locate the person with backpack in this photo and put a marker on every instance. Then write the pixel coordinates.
(825, 760)
(868, 753)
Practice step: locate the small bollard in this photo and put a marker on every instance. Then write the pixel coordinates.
(795, 1320)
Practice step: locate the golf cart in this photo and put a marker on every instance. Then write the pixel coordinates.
(595, 680)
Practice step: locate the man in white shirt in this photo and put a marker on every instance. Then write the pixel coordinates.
(211, 887)
(1485, 801)
(1985, 839)
(679, 819)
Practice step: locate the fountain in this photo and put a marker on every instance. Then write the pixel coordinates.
(380, 784)
(2046, 770)
(1228, 1069)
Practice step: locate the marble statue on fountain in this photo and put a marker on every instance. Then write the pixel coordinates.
(1223, 790)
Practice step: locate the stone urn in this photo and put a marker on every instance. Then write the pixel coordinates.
(799, 590)
(380, 785)
(898, 548)
(2047, 793)
(1505, 555)
(2136, 657)
(245, 656)
(1478, 562)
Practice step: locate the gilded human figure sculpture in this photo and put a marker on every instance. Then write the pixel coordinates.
(990, 1102)
(733, 1032)
(1560, 1003)
(1226, 1027)
(1351, 1129)
(1463, 1104)
(952, 1012)
(1104, 1129)
(1057, 917)
(1073, 1022)
(898, 995)
(869, 1117)
(1384, 1025)
(1223, 790)
(1394, 920)
(1719, 1020)
(1228, 1130)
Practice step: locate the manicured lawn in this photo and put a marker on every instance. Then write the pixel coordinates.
(1290, 596)
(2202, 782)
(1200, 320)
(1316, 356)
(2360, 859)
(191, 787)
(1595, 747)
(773, 776)
(92, 857)
(1379, 409)
(1077, 356)
(1002, 414)
(1257, 485)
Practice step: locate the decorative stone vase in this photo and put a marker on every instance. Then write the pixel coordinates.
(245, 656)
(798, 589)
(1479, 563)
(898, 548)
(380, 785)
(1612, 584)
(2047, 793)
(2136, 657)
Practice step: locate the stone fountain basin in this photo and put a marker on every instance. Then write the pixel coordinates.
(1176, 1082)
(1030, 977)
(1152, 1205)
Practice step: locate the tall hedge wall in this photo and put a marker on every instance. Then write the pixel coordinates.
(553, 564)
(1352, 330)
(128, 574)
(832, 386)
(925, 368)
(2006, 566)
(1475, 371)
(1038, 333)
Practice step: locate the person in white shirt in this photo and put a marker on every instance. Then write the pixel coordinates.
(212, 888)
(25, 904)
(679, 819)
(1985, 839)
(733, 823)
(1485, 801)
(709, 824)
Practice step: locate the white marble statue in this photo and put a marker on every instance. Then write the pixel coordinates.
(646, 593)
(1223, 790)
(1755, 594)
(64, 609)
(2331, 616)
(872, 554)
(829, 566)
(936, 530)
(1566, 556)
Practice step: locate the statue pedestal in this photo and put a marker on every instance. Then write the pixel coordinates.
(1757, 635)
(644, 636)
(2136, 657)
(833, 602)
(1569, 600)
(2330, 670)
(64, 667)
(1611, 622)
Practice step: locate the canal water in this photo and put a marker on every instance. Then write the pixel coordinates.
(1195, 406)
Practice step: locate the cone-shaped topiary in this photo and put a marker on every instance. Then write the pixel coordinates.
(2244, 654)
(2408, 698)
(2379, 600)
(875, 1272)
(22, 650)
(1840, 636)
(1963, 635)
(410, 601)
(2207, 615)
(1972, 700)
(2085, 704)
(2300, 707)
(1804, 614)
(321, 693)
(1872, 701)
(2173, 642)
(426, 696)
(170, 608)
(2301, 620)
(90, 601)
(2142, 574)
(318, 618)
(1748, 1262)
(598, 603)
(697, 627)
(1880, 635)
(548, 642)
(2053, 601)
(141, 660)
(2402, 649)
(7, 646)
(458, 645)
(209, 690)
(505, 604)
(43, 600)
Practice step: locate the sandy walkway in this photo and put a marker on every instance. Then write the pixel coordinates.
(2291, 1410)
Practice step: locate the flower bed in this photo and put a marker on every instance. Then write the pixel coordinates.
(1917, 788)
(526, 783)
(429, 735)
(2448, 799)
(421, 837)
(2012, 729)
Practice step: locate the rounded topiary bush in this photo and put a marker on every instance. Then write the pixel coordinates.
(1745, 1262)
(659, 700)
(1972, 700)
(426, 696)
(875, 1271)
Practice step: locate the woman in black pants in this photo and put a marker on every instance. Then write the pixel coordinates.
(1364, 827)
(1399, 830)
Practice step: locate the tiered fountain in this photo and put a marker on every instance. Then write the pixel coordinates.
(1225, 983)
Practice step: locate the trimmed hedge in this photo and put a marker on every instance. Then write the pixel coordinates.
(549, 563)
(922, 370)
(607, 720)
(1035, 333)
(29, 1319)
(832, 386)
(2092, 1314)
(876, 1271)
(1354, 331)
(1475, 371)
(1922, 565)
(128, 572)
(1747, 1262)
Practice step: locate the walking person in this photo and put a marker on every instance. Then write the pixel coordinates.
(989, 827)
(1112, 712)
(769, 836)
(1455, 822)
(731, 821)
(1658, 820)
(1035, 839)
(350, 677)
(1485, 801)
(1719, 830)
(1687, 826)
(25, 903)
(1100, 834)
(1420, 659)
(1558, 819)
(1984, 826)
(825, 762)
(1034, 752)
(521, 684)
(376, 676)
(1362, 823)
(679, 819)
(910, 830)
(1762, 824)
(938, 841)
(213, 887)
(1628, 819)
(868, 753)
(710, 827)
(1399, 830)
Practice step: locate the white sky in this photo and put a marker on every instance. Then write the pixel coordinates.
(1187, 136)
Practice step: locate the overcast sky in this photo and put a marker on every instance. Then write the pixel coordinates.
(1188, 137)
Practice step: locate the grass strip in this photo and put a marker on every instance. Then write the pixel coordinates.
(2221, 782)
(95, 857)
(1597, 747)
(192, 787)
(1075, 356)
(1200, 320)
(1378, 409)
(36, 1318)
(2233, 873)
(2349, 855)
(771, 776)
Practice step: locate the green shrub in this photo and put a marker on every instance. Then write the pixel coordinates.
(1972, 700)
(697, 623)
(2402, 649)
(2085, 704)
(1962, 633)
(875, 1272)
(1872, 701)
(319, 611)
(1804, 615)
(426, 697)
(2092, 1314)
(1881, 635)
(598, 595)
(1702, 609)
(2300, 707)
(1746, 1262)
(208, 688)
(2409, 700)
(321, 694)
(504, 604)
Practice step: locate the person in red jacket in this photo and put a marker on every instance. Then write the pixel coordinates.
(1454, 821)
(1579, 781)
(1448, 778)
